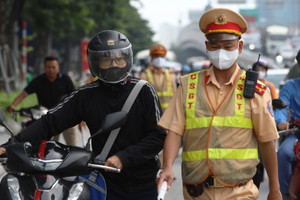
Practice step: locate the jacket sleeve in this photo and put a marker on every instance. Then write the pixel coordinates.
(285, 95)
(152, 142)
(58, 119)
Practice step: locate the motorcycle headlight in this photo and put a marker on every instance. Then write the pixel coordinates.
(75, 191)
(14, 187)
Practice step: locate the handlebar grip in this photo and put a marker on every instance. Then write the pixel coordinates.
(103, 167)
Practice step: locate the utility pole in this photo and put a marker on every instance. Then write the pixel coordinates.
(24, 52)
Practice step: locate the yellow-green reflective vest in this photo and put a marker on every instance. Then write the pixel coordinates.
(165, 92)
(219, 142)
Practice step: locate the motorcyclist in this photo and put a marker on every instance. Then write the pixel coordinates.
(262, 68)
(285, 153)
(139, 140)
(185, 70)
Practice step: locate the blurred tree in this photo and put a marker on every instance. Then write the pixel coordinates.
(10, 11)
(121, 16)
(59, 25)
(55, 19)
(9, 15)
(68, 21)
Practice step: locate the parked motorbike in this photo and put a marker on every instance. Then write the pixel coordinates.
(53, 170)
(31, 114)
(294, 186)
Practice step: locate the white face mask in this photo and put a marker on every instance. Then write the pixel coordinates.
(159, 62)
(223, 59)
(261, 75)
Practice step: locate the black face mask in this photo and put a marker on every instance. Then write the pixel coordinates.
(113, 73)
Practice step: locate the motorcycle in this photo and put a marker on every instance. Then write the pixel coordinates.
(31, 114)
(53, 170)
(294, 185)
(294, 189)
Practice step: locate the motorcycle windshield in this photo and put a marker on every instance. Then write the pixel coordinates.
(48, 156)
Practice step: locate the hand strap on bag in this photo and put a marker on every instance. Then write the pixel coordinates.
(114, 133)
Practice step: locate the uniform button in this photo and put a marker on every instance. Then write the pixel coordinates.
(221, 93)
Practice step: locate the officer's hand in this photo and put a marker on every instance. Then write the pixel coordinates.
(283, 126)
(113, 161)
(275, 195)
(166, 175)
(10, 109)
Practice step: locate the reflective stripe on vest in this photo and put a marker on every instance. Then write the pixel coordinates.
(237, 121)
(168, 92)
(214, 153)
(230, 121)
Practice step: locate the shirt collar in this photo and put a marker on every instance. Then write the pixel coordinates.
(158, 70)
(211, 78)
(59, 75)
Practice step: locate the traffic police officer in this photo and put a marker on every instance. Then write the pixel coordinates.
(163, 81)
(221, 128)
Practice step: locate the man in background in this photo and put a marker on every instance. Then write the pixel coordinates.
(50, 88)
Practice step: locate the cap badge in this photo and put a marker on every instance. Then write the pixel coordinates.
(110, 42)
(221, 19)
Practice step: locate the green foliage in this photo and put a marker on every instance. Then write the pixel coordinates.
(59, 17)
(74, 19)
(119, 15)
(5, 101)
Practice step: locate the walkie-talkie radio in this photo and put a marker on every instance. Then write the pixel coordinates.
(251, 80)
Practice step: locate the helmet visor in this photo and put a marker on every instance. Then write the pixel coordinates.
(111, 66)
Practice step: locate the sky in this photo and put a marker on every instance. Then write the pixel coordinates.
(158, 12)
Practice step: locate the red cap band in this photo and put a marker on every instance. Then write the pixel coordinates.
(158, 51)
(229, 27)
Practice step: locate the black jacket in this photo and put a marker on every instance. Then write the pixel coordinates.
(138, 142)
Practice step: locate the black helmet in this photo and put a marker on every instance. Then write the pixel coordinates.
(106, 47)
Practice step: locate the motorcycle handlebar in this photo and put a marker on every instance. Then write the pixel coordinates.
(4, 159)
(24, 112)
(104, 167)
(295, 129)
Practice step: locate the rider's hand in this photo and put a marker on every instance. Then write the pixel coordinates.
(283, 126)
(10, 108)
(165, 175)
(81, 125)
(2, 150)
(113, 161)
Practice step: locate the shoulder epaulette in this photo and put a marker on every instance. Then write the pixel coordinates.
(260, 88)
